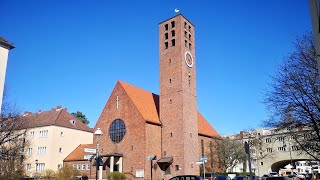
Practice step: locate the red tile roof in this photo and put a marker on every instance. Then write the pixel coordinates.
(54, 117)
(78, 154)
(148, 105)
(146, 102)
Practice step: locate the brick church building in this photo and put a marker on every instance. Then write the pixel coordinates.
(138, 124)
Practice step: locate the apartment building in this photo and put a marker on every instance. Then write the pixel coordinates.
(270, 150)
(50, 136)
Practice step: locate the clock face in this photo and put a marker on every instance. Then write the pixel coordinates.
(188, 58)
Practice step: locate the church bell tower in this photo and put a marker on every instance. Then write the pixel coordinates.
(178, 102)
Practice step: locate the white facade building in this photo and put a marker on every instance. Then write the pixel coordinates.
(5, 46)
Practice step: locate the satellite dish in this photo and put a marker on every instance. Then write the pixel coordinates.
(176, 10)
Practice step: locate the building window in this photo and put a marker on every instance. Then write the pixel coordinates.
(74, 166)
(190, 37)
(202, 148)
(185, 25)
(281, 149)
(42, 150)
(211, 154)
(31, 134)
(88, 166)
(40, 167)
(28, 167)
(173, 33)
(170, 81)
(61, 134)
(252, 151)
(173, 24)
(43, 133)
(117, 130)
(29, 151)
(166, 44)
(295, 148)
(170, 100)
(60, 150)
(78, 166)
(268, 140)
(59, 166)
(189, 28)
(269, 150)
(83, 167)
(166, 27)
(185, 34)
(173, 42)
(280, 138)
(190, 46)
(166, 36)
(186, 43)
(261, 163)
(177, 168)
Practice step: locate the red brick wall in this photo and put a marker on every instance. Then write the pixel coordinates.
(133, 144)
(178, 116)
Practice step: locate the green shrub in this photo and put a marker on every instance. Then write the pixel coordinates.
(116, 176)
(67, 173)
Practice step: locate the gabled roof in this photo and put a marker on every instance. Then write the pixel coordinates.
(78, 154)
(146, 102)
(54, 117)
(148, 105)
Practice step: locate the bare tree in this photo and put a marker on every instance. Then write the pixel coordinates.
(230, 153)
(12, 142)
(294, 98)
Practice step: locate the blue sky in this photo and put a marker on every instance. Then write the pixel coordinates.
(71, 53)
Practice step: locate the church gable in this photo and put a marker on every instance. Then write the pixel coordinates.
(121, 107)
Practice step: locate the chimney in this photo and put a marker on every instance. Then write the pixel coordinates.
(58, 108)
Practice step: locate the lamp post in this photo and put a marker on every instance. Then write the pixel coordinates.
(97, 133)
(36, 167)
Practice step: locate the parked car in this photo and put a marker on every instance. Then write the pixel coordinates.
(222, 177)
(240, 178)
(278, 178)
(187, 177)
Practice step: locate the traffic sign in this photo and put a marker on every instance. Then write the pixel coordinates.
(87, 157)
(90, 150)
(204, 159)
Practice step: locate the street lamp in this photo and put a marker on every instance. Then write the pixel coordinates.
(97, 133)
(36, 164)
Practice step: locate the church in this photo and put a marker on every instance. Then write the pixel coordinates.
(150, 136)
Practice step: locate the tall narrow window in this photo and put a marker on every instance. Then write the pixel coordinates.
(190, 37)
(173, 42)
(173, 24)
(166, 27)
(185, 25)
(186, 43)
(166, 35)
(190, 46)
(185, 34)
(202, 148)
(189, 28)
(166, 45)
(173, 33)
(211, 154)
